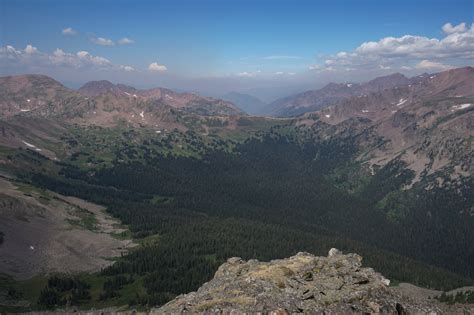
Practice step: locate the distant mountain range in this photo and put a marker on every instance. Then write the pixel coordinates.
(333, 93)
(248, 103)
(384, 166)
(102, 102)
(426, 123)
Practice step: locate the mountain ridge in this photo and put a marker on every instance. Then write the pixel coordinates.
(333, 93)
(101, 101)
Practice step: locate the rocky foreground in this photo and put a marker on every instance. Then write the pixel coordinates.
(304, 283)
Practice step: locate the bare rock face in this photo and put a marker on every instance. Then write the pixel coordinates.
(304, 283)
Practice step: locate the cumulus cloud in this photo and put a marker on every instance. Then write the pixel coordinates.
(31, 57)
(157, 67)
(431, 65)
(249, 74)
(125, 41)
(102, 41)
(448, 28)
(69, 31)
(409, 51)
(30, 49)
(281, 73)
(127, 68)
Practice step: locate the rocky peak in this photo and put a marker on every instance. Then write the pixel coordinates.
(389, 81)
(95, 88)
(304, 283)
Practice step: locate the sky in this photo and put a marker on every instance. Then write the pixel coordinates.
(219, 46)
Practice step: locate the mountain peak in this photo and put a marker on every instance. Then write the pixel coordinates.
(304, 283)
(389, 81)
(95, 88)
(18, 82)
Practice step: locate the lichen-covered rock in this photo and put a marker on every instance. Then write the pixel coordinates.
(304, 283)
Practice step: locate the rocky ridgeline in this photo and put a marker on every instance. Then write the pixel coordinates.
(304, 283)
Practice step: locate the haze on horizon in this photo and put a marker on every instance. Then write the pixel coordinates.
(214, 47)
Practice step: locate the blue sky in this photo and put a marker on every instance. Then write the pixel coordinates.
(199, 44)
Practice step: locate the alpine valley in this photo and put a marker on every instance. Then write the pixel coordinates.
(118, 198)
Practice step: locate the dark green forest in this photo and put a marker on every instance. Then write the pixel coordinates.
(270, 197)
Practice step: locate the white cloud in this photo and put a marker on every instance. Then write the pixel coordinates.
(431, 65)
(30, 49)
(314, 67)
(450, 29)
(157, 67)
(69, 31)
(81, 59)
(409, 51)
(280, 73)
(102, 41)
(95, 60)
(247, 74)
(127, 68)
(31, 57)
(125, 41)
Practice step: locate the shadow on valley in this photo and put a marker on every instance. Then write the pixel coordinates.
(268, 198)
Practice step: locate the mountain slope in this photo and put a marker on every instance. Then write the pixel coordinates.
(38, 95)
(101, 102)
(48, 233)
(248, 103)
(387, 175)
(331, 94)
(427, 124)
(189, 102)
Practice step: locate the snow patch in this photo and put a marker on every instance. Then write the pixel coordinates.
(25, 110)
(142, 115)
(32, 247)
(460, 106)
(28, 100)
(432, 77)
(401, 102)
(158, 131)
(349, 84)
(127, 93)
(31, 145)
(170, 97)
(327, 116)
(365, 111)
(394, 111)
(134, 95)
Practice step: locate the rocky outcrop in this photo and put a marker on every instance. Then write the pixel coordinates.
(304, 283)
